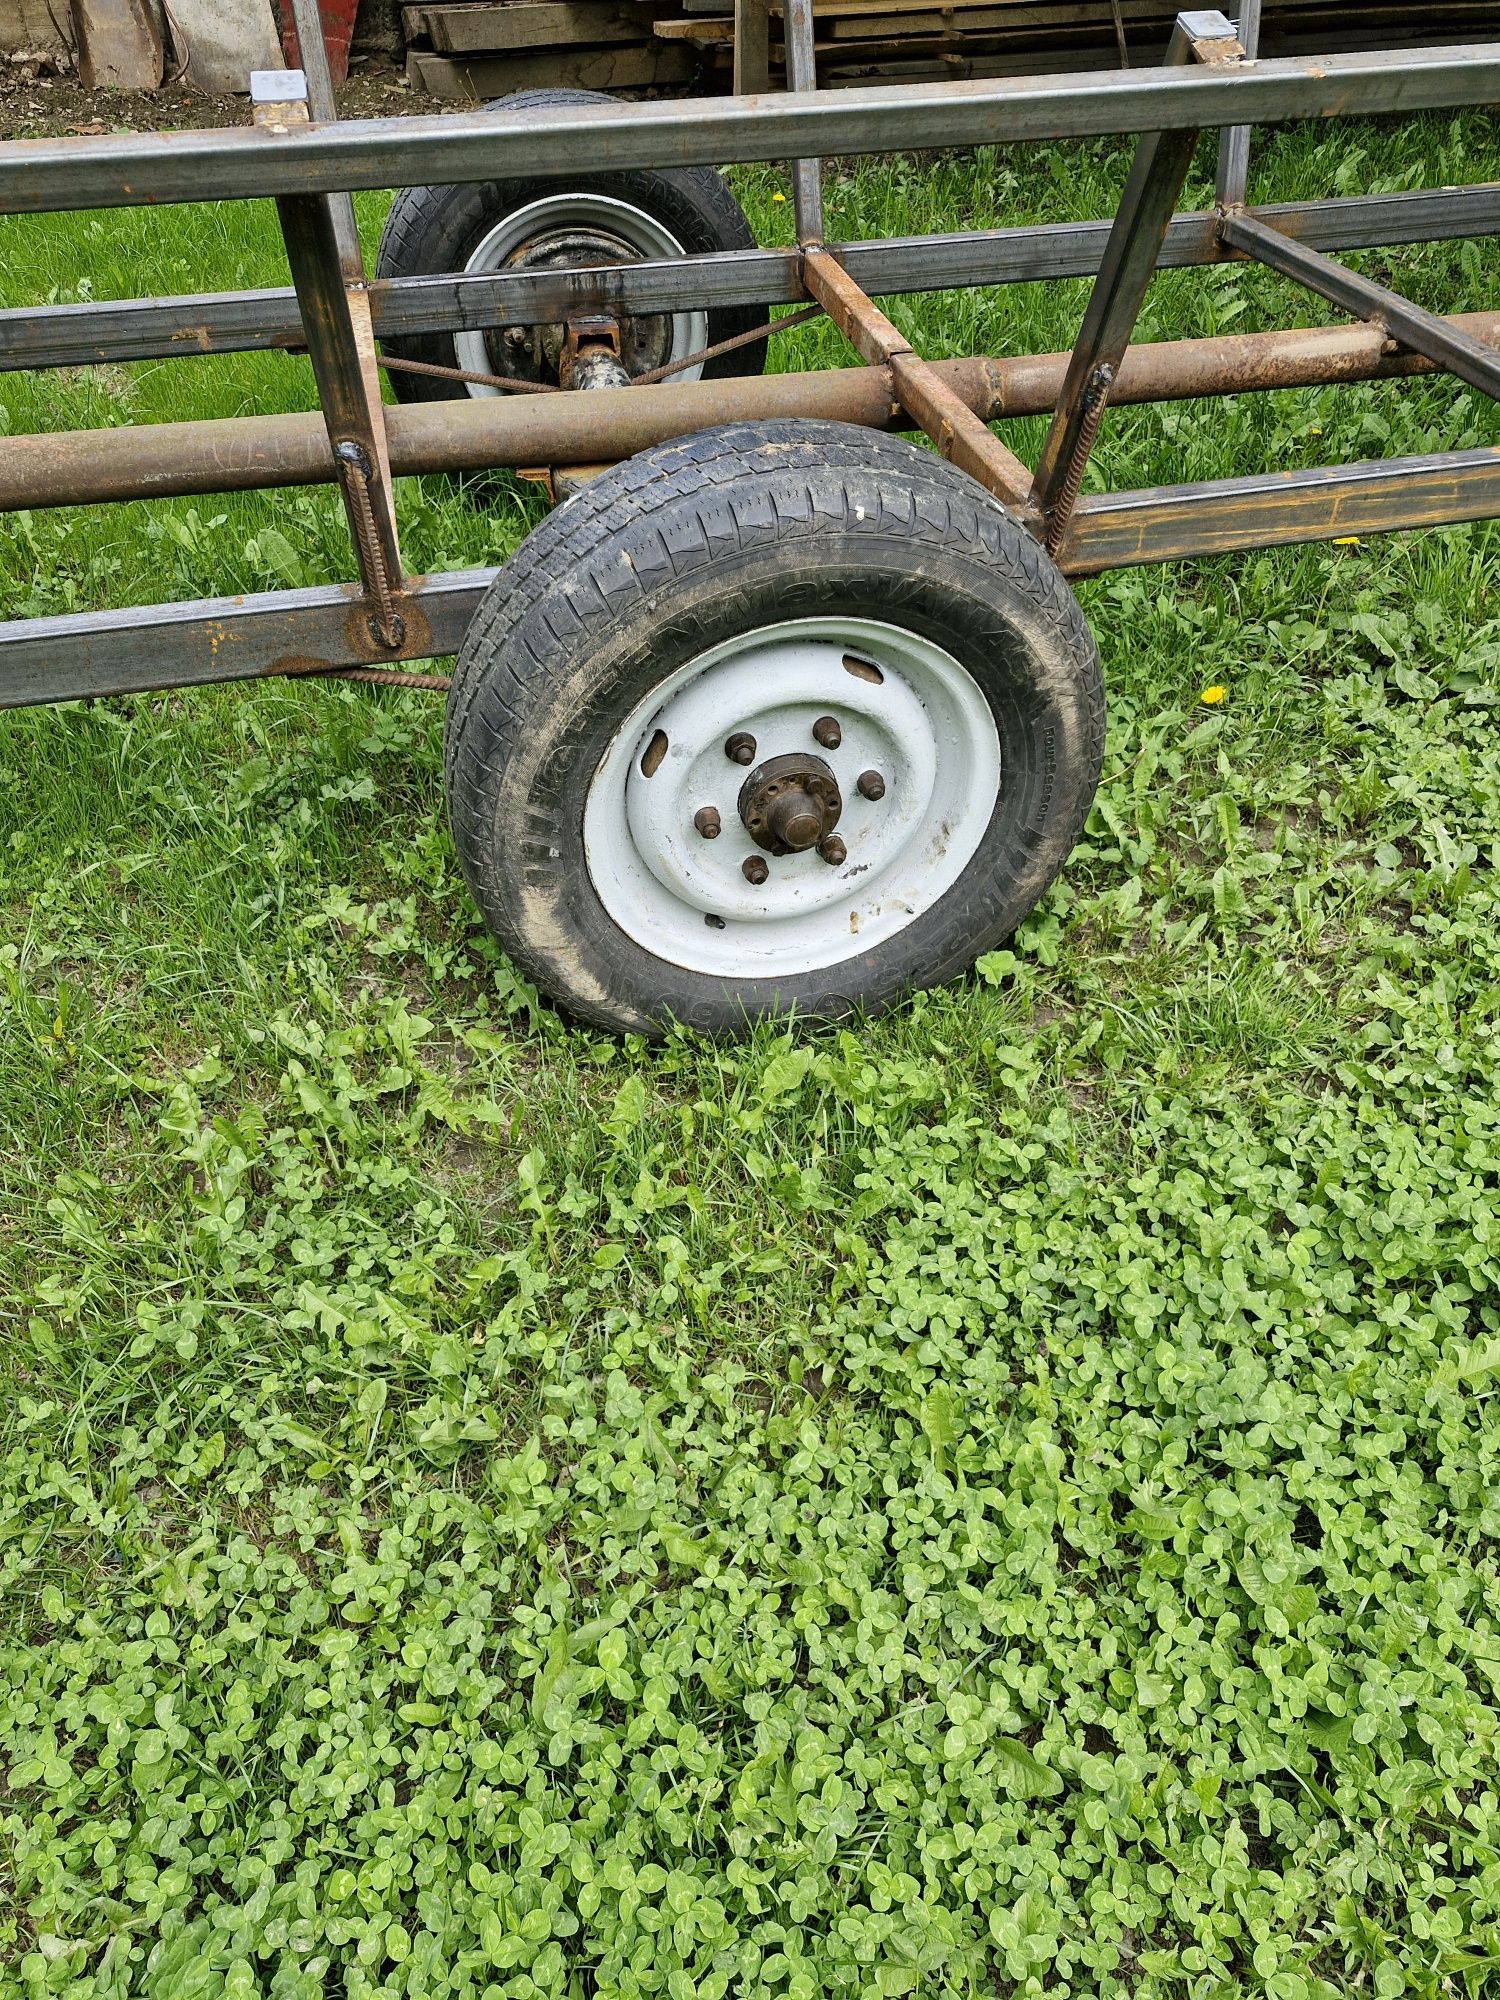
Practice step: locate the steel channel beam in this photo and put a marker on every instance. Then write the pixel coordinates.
(1272, 510)
(145, 169)
(139, 651)
(322, 106)
(328, 276)
(160, 646)
(1425, 332)
(239, 454)
(77, 336)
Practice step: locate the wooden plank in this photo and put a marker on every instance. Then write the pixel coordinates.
(457, 31)
(752, 46)
(473, 79)
(697, 28)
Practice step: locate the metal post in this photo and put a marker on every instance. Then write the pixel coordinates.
(335, 311)
(1156, 177)
(802, 75)
(1234, 140)
(322, 109)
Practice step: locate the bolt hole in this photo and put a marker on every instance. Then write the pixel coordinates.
(863, 670)
(715, 923)
(651, 757)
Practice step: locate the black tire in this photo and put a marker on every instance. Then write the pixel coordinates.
(703, 539)
(430, 230)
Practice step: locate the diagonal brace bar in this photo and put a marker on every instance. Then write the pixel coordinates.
(1151, 192)
(1423, 332)
(958, 433)
(334, 304)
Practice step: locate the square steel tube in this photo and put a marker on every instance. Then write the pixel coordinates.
(143, 169)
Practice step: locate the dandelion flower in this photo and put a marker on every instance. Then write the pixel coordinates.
(778, 197)
(1346, 541)
(1211, 697)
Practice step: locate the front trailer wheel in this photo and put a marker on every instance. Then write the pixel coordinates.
(786, 717)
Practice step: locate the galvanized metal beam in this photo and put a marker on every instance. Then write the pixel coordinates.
(76, 336)
(1414, 327)
(143, 169)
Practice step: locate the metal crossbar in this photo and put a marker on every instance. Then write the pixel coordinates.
(146, 169)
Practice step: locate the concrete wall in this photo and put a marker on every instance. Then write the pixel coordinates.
(35, 25)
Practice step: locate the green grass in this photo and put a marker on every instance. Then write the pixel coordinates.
(998, 1501)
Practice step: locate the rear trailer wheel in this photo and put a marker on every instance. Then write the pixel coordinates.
(535, 225)
(783, 717)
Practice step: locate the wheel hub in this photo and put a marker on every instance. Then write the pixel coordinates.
(790, 803)
(884, 788)
(575, 228)
(537, 352)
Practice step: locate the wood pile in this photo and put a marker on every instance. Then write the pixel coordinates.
(476, 49)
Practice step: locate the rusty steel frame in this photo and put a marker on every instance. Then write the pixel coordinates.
(296, 153)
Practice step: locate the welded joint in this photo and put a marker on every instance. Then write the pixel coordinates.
(387, 626)
(1095, 396)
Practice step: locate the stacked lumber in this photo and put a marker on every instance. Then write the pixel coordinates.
(481, 51)
(484, 48)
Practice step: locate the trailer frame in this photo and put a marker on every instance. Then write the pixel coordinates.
(299, 154)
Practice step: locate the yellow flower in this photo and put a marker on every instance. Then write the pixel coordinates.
(1346, 541)
(778, 197)
(1211, 697)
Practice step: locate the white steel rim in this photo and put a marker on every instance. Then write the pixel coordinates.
(637, 234)
(923, 726)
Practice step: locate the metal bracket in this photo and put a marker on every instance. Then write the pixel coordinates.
(959, 435)
(1151, 192)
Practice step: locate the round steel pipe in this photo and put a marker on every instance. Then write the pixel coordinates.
(235, 454)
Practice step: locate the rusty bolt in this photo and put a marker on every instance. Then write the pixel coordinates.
(740, 749)
(706, 819)
(827, 732)
(834, 851)
(754, 870)
(870, 785)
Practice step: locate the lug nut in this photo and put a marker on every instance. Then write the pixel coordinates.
(870, 785)
(827, 732)
(834, 851)
(706, 819)
(754, 870)
(740, 749)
